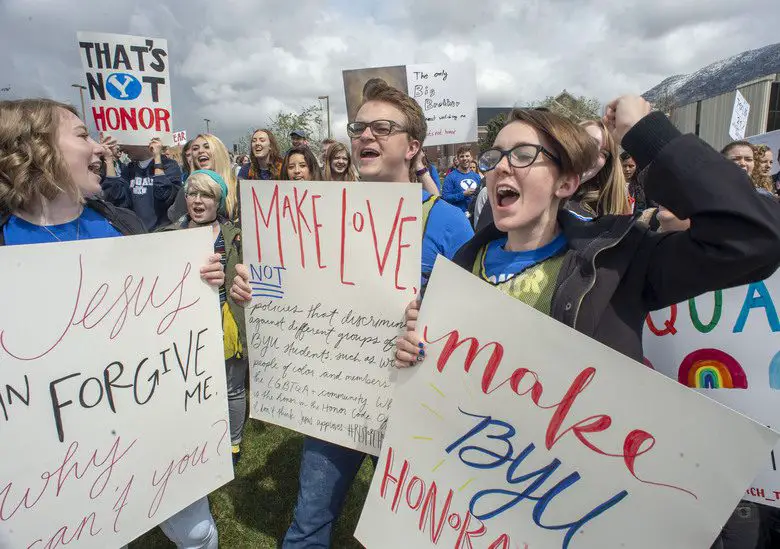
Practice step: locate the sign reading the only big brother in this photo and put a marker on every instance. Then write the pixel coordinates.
(129, 86)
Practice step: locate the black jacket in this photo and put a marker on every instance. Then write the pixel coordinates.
(124, 221)
(148, 195)
(616, 270)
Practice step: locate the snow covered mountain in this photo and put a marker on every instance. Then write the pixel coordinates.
(719, 77)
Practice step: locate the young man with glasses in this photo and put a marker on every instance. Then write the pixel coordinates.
(387, 137)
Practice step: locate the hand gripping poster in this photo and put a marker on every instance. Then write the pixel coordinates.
(519, 432)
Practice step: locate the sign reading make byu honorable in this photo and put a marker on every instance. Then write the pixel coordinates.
(505, 438)
(726, 344)
(113, 408)
(333, 267)
(129, 87)
(739, 117)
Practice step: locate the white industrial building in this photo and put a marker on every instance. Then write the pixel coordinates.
(710, 118)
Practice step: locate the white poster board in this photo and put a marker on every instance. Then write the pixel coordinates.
(129, 86)
(180, 137)
(447, 93)
(507, 438)
(333, 266)
(726, 344)
(739, 117)
(113, 408)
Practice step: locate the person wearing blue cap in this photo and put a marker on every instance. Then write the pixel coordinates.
(205, 192)
(299, 138)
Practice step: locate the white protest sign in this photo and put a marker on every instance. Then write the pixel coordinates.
(333, 266)
(113, 408)
(739, 117)
(726, 344)
(129, 86)
(518, 431)
(179, 138)
(447, 93)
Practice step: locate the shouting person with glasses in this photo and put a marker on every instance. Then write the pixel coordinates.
(602, 277)
(387, 136)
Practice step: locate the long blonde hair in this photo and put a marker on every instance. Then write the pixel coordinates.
(222, 165)
(351, 174)
(31, 165)
(607, 192)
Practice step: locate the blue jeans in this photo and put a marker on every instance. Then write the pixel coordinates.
(192, 528)
(327, 472)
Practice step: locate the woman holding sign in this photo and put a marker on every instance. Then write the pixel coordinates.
(49, 184)
(602, 277)
(205, 192)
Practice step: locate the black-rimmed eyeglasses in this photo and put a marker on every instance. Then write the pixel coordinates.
(380, 128)
(520, 156)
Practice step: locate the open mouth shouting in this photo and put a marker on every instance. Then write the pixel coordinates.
(369, 154)
(506, 195)
(95, 167)
(204, 161)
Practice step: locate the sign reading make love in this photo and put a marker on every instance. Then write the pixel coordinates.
(447, 93)
(113, 410)
(333, 266)
(518, 431)
(129, 86)
(726, 344)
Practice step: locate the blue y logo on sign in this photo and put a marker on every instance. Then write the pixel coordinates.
(123, 86)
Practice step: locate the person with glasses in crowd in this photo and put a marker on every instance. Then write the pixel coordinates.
(387, 135)
(602, 276)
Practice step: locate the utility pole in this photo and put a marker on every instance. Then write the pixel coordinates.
(207, 124)
(327, 102)
(81, 93)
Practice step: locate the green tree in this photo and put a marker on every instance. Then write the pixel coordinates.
(493, 127)
(282, 123)
(577, 108)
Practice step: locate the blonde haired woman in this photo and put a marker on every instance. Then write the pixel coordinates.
(209, 153)
(49, 193)
(338, 164)
(604, 190)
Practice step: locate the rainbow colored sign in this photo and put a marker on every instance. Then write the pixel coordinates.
(727, 339)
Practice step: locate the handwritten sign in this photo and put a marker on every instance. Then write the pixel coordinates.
(332, 267)
(129, 86)
(739, 117)
(447, 93)
(507, 438)
(725, 344)
(113, 409)
(179, 138)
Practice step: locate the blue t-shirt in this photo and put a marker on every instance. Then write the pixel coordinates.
(501, 265)
(454, 185)
(89, 224)
(446, 230)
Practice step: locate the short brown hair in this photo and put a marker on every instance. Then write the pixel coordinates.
(573, 146)
(416, 126)
(31, 165)
(463, 149)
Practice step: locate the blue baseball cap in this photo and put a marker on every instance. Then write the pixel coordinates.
(299, 133)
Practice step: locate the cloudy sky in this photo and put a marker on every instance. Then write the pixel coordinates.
(237, 62)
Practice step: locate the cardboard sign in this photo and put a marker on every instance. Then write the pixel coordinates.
(333, 267)
(726, 344)
(739, 117)
(517, 431)
(447, 93)
(129, 86)
(179, 138)
(113, 408)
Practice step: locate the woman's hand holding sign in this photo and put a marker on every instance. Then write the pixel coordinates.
(410, 349)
